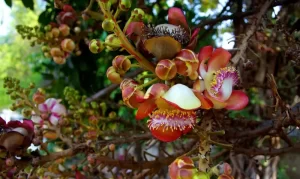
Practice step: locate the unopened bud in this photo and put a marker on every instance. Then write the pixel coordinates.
(10, 162)
(96, 46)
(59, 60)
(77, 30)
(122, 63)
(56, 52)
(125, 5)
(166, 69)
(112, 147)
(64, 29)
(113, 42)
(113, 75)
(55, 32)
(68, 45)
(137, 14)
(38, 97)
(26, 112)
(108, 25)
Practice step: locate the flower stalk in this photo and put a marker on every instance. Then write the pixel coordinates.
(124, 41)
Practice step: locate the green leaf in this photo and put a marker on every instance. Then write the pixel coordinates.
(28, 3)
(8, 2)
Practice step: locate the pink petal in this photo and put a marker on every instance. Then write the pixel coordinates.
(59, 109)
(51, 102)
(194, 39)
(203, 55)
(237, 101)
(145, 108)
(54, 119)
(205, 102)
(2, 122)
(226, 89)
(219, 59)
(176, 17)
(217, 104)
(134, 30)
(21, 130)
(43, 108)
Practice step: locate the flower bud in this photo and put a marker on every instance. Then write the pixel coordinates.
(78, 53)
(55, 32)
(10, 162)
(64, 29)
(38, 97)
(186, 62)
(85, 16)
(121, 62)
(108, 25)
(112, 115)
(45, 48)
(49, 35)
(47, 55)
(113, 75)
(125, 5)
(113, 42)
(56, 52)
(50, 135)
(77, 30)
(26, 112)
(59, 60)
(166, 69)
(132, 97)
(67, 45)
(112, 147)
(137, 14)
(96, 46)
(183, 167)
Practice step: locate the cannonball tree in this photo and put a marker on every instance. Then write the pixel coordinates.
(141, 89)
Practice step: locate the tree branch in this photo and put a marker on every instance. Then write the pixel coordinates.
(111, 87)
(244, 44)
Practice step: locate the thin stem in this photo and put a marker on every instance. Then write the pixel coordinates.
(221, 144)
(117, 13)
(148, 83)
(125, 43)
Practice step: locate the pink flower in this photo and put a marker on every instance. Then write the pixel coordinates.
(219, 79)
(171, 110)
(52, 109)
(16, 134)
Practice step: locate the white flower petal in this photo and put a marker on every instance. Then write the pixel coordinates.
(21, 130)
(54, 119)
(183, 97)
(36, 119)
(226, 88)
(59, 109)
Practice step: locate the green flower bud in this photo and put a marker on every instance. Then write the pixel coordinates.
(125, 5)
(108, 25)
(96, 46)
(26, 112)
(94, 105)
(137, 14)
(113, 42)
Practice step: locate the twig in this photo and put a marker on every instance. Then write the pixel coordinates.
(244, 44)
(111, 87)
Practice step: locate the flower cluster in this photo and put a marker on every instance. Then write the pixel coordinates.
(60, 38)
(192, 81)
